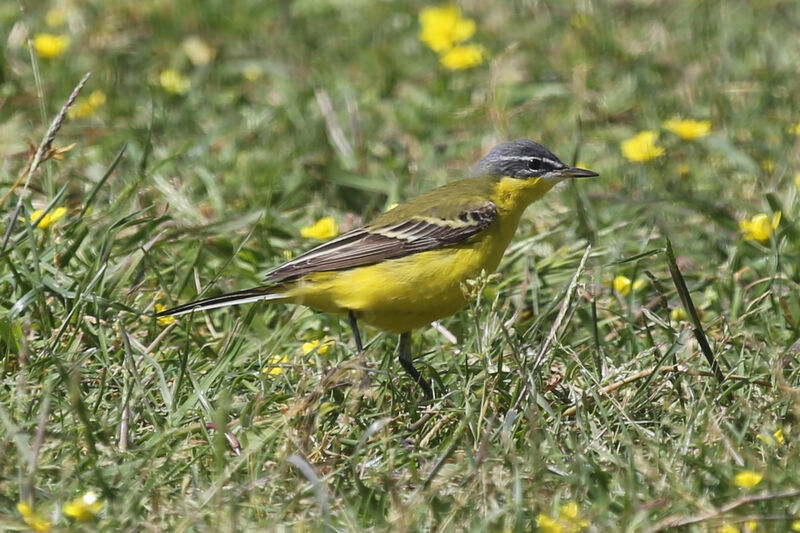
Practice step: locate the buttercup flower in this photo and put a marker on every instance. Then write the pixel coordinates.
(567, 520)
(172, 81)
(323, 229)
(548, 524)
(747, 479)
(84, 507)
(775, 439)
(760, 227)
(463, 57)
(274, 363)
(623, 285)
(642, 147)
(50, 218)
(86, 107)
(678, 314)
(49, 46)
(321, 346)
(795, 129)
(688, 129)
(33, 520)
(443, 27)
(163, 320)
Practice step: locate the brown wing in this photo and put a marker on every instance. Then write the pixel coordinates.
(371, 244)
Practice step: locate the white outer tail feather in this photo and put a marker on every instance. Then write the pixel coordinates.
(224, 300)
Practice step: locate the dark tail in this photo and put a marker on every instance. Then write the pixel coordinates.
(223, 300)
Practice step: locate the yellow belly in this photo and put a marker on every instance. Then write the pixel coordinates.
(401, 294)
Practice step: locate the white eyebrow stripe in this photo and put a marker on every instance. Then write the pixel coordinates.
(556, 164)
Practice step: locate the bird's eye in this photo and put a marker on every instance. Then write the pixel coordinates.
(542, 165)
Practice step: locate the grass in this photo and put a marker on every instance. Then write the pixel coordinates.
(559, 389)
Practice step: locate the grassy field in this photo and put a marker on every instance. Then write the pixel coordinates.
(575, 395)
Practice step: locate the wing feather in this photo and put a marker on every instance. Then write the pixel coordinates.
(374, 243)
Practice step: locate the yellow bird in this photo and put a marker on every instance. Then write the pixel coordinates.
(405, 269)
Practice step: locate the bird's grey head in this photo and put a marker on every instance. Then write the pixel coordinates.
(524, 159)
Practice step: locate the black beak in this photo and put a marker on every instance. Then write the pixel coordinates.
(575, 172)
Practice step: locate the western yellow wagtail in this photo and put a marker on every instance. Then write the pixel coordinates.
(404, 270)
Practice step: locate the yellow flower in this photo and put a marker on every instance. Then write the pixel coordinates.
(274, 362)
(50, 218)
(760, 227)
(172, 82)
(795, 129)
(49, 46)
(796, 525)
(548, 525)
(323, 229)
(55, 18)
(198, 52)
(84, 507)
(777, 438)
(442, 27)
(163, 320)
(86, 107)
(752, 525)
(463, 57)
(33, 520)
(569, 511)
(727, 528)
(321, 346)
(747, 479)
(567, 521)
(678, 314)
(623, 285)
(688, 129)
(642, 147)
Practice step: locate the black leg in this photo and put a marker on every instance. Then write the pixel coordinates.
(351, 316)
(405, 360)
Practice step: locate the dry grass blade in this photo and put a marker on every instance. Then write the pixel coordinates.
(47, 141)
(319, 487)
(680, 521)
